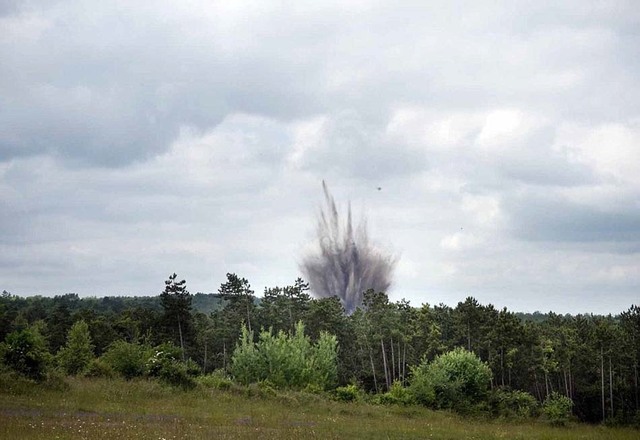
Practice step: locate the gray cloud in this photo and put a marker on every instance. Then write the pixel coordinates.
(556, 220)
(139, 139)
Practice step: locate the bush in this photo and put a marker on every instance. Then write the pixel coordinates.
(25, 352)
(99, 368)
(397, 395)
(166, 364)
(456, 380)
(127, 359)
(217, 380)
(350, 393)
(557, 409)
(513, 404)
(286, 360)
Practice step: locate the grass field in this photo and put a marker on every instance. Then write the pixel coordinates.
(116, 409)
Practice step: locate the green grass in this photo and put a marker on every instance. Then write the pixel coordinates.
(116, 409)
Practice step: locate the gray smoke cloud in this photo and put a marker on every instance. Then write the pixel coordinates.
(345, 263)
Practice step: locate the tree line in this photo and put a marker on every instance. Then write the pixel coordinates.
(591, 360)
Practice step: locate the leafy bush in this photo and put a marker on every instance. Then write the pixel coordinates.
(397, 395)
(557, 409)
(513, 404)
(217, 380)
(99, 368)
(75, 356)
(127, 359)
(350, 393)
(25, 352)
(166, 364)
(455, 380)
(286, 360)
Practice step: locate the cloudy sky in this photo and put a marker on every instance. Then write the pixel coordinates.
(138, 139)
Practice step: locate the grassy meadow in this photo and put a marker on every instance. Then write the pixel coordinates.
(143, 409)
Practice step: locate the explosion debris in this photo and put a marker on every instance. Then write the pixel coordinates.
(345, 263)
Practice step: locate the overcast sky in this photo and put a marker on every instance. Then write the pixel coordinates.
(142, 138)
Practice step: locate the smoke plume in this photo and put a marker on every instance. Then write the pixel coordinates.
(345, 263)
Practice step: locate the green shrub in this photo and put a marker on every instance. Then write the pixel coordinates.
(456, 380)
(99, 368)
(286, 360)
(397, 395)
(25, 352)
(166, 364)
(127, 359)
(350, 393)
(217, 380)
(557, 409)
(75, 356)
(513, 404)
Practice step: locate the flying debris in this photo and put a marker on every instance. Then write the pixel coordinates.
(345, 263)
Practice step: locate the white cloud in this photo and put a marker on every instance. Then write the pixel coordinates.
(138, 139)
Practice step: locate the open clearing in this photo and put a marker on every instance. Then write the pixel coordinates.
(101, 408)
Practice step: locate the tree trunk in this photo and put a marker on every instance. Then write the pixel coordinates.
(399, 369)
(181, 340)
(404, 365)
(204, 366)
(611, 386)
(224, 356)
(248, 315)
(384, 362)
(393, 363)
(546, 383)
(502, 364)
(373, 370)
(602, 381)
(538, 392)
(635, 376)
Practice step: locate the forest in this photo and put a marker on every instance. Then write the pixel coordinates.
(393, 351)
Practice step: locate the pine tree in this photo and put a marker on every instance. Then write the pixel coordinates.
(176, 302)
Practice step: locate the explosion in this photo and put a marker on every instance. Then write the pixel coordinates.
(345, 263)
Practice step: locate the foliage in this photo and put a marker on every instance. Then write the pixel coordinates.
(456, 380)
(513, 404)
(349, 393)
(75, 356)
(286, 360)
(165, 363)
(99, 368)
(557, 409)
(585, 357)
(177, 318)
(25, 352)
(127, 359)
(217, 380)
(397, 395)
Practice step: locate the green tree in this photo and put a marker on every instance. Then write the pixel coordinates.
(282, 307)
(176, 303)
(239, 296)
(25, 352)
(75, 356)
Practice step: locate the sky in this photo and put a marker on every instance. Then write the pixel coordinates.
(492, 146)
